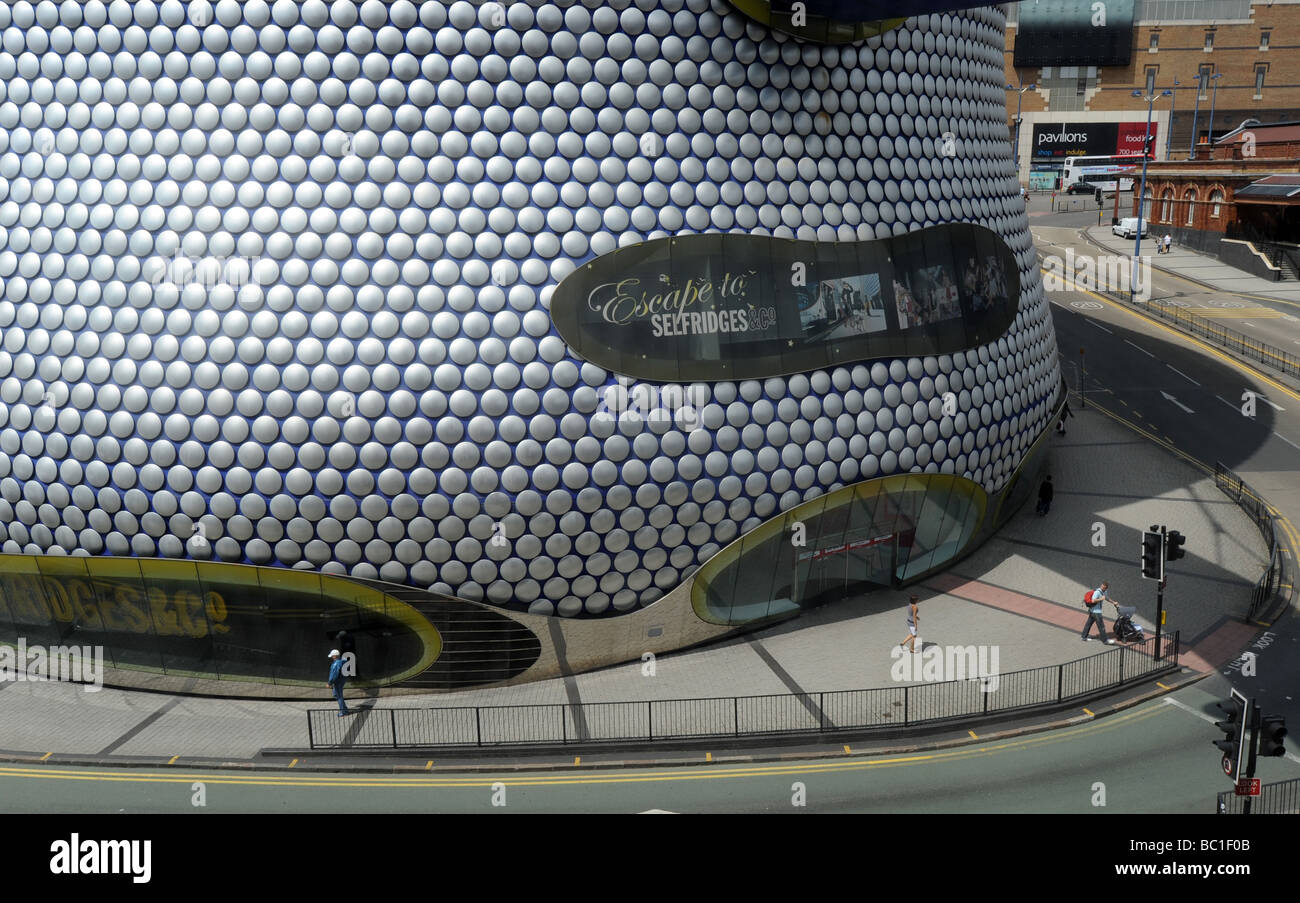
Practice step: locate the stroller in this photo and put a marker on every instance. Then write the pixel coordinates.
(1125, 630)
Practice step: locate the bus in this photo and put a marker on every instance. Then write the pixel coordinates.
(1107, 173)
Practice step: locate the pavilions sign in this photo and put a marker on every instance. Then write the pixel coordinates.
(724, 306)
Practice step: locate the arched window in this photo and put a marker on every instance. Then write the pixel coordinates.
(1167, 211)
(1216, 198)
(1148, 204)
(1190, 198)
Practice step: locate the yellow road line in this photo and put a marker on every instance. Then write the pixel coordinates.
(846, 749)
(172, 760)
(1090, 713)
(708, 757)
(428, 766)
(293, 763)
(577, 760)
(973, 735)
(46, 756)
(1090, 728)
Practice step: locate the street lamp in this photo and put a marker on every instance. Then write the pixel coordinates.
(1200, 86)
(1142, 188)
(1019, 96)
(1173, 103)
(1213, 96)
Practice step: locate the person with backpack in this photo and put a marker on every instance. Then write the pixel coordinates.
(1093, 600)
(337, 680)
(1065, 413)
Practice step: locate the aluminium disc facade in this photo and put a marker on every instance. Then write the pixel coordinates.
(275, 282)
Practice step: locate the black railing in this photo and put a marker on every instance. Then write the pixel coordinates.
(741, 716)
(1282, 798)
(1275, 585)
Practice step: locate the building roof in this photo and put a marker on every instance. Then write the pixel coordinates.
(1263, 131)
(1282, 187)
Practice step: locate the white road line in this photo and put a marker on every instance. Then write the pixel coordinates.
(1228, 403)
(1183, 375)
(1139, 348)
(1099, 326)
(1269, 403)
(1187, 708)
(1286, 440)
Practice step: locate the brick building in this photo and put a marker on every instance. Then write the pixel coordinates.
(1246, 55)
(1238, 199)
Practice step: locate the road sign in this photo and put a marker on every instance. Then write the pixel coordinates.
(1247, 787)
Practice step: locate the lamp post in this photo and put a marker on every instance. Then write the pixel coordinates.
(1213, 97)
(1142, 187)
(1019, 96)
(1173, 104)
(1200, 86)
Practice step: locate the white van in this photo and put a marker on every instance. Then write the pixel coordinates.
(1127, 227)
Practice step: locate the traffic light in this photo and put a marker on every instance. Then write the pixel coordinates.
(1272, 728)
(1149, 146)
(1174, 546)
(1234, 735)
(1153, 558)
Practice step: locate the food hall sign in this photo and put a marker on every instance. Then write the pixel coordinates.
(726, 306)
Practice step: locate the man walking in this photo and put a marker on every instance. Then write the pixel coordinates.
(1045, 495)
(1169, 242)
(1065, 412)
(337, 680)
(1094, 601)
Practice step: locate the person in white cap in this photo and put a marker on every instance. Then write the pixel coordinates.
(336, 681)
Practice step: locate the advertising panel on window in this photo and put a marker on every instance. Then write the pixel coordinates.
(724, 306)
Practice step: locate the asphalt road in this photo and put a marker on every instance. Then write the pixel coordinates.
(1155, 758)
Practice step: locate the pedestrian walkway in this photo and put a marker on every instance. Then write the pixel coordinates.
(1021, 592)
(1201, 268)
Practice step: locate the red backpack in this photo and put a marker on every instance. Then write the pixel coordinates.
(1088, 601)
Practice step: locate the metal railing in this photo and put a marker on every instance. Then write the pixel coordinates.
(740, 716)
(1281, 798)
(1274, 585)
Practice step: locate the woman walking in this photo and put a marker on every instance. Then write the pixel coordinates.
(913, 622)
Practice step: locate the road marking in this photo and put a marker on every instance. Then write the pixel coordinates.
(577, 760)
(973, 735)
(657, 812)
(1187, 708)
(279, 779)
(1169, 398)
(46, 756)
(1099, 326)
(172, 760)
(1182, 374)
(847, 751)
(708, 757)
(1162, 686)
(1192, 340)
(1090, 713)
(293, 763)
(1264, 399)
(1228, 403)
(428, 766)
(1286, 440)
(1139, 348)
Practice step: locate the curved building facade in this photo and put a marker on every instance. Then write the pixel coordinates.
(327, 287)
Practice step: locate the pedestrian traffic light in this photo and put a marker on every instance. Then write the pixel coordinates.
(1272, 728)
(1174, 546)
(1153, 559)
(1233, 726)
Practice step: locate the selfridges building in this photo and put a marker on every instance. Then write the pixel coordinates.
(511, 338)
